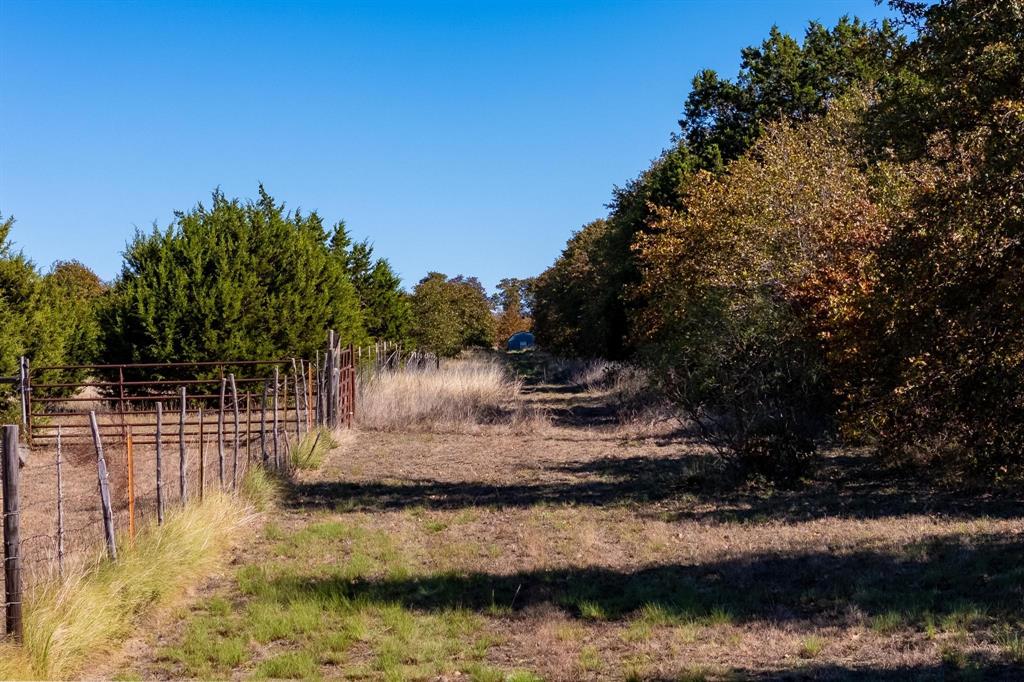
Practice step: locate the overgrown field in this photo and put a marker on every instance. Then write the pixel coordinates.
(580, 549)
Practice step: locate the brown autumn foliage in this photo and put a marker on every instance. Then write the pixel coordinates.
(752, 288)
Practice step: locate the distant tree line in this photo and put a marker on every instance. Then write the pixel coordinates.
(231, 280)
(50, 317)
(831, 246)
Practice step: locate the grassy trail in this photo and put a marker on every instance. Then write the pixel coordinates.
(590, 551)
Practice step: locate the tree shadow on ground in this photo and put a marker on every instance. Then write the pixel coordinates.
(979, 667)
(678, 487)
(842, 484)
(969, 583)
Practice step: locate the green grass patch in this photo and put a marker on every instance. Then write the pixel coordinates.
(811, 647)
(311, 450)
(591, 610)
(589, 660)
(293, 665)
(1011, 642)
(312, 601)
(435, 525)
(888, 622)
(261, 488)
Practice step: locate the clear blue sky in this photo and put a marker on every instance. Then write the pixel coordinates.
(462, 137)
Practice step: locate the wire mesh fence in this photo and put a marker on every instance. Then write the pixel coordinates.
(128, 442)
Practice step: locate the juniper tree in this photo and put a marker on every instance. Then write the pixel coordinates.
(235, 280)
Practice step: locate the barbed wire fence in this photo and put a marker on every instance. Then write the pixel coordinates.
(389, 356)
(105, 450)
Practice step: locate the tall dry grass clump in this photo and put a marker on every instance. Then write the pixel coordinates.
(309, 453)
(460, 394)
(72, 621)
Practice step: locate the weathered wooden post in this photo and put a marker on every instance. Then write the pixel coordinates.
(23, 391)
(263, 421)
(12, 533)
(309, 395)
(182, 452)
(298, 392)
(248, 428)
(202, 457)
(319, 409)
(234, 456)
(130, 466)
(277, 382)
(298, 424)
(351, 387)
(332, 396)
(101, 471)
(60, 501)
(220, 431)
(159, 464)
(284, 417)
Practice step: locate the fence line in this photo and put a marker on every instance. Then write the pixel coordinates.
(118, 421)
(389, 356)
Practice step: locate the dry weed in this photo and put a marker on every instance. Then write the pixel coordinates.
(458, 396)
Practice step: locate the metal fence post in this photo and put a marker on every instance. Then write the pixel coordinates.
(12, 533)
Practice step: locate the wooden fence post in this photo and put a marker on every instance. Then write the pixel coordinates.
(101, 471)
(326, 390)
(234, 456)
(12, 533)
(298, 394)
(248, 428)
(202, 457)
(332, 406)
(23, 390)
(182, 454)
(60, 501)
(284, 421)
(351, 386)
(309, 395)
(318, 406)
(277, 461)
(301, 388)
(220, 431)
(159, 465)
(298, 427)
(130, 465)
(263, 421)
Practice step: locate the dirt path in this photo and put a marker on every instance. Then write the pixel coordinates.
(580, 552)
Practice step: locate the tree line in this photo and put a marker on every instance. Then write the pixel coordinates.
(232, 279)
(830, 248)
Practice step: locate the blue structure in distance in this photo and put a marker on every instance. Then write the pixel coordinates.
(520, 341)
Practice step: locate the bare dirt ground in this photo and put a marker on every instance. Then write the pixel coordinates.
(582, 551)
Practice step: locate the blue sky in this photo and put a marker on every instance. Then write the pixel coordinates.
(462, 137)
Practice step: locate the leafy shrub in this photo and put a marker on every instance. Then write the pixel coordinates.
(451, 314)
(747, 288)
(236, 280)
(944, 363)
(50, 319)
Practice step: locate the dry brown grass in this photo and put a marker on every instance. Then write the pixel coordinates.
(74, 619)
(583, 554)
(462, 394)
(82, 513)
